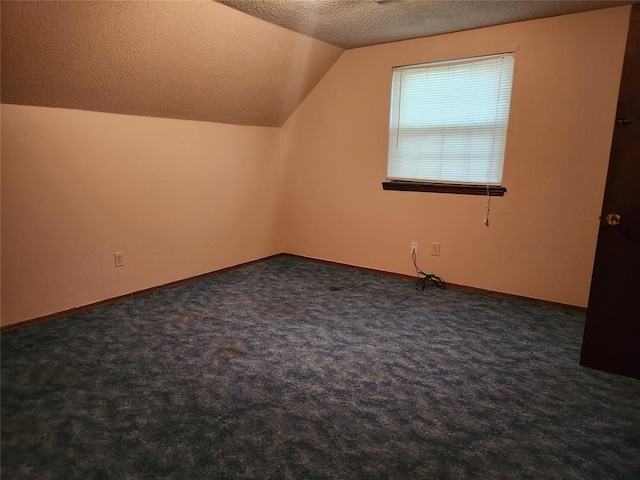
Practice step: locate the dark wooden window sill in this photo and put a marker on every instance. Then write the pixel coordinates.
(494, 190)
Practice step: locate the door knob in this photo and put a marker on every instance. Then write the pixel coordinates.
(613, 219)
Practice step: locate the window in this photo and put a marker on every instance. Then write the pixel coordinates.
(448, 125)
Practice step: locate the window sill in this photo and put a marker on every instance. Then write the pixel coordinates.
(494, 190)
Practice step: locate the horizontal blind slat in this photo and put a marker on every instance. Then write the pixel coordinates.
(449, 120)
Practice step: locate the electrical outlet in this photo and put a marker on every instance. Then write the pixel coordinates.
(119, 259)
(414, 248)
(435, 249)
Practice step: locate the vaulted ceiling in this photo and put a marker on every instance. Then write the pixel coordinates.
(247, 62)
(190, 60)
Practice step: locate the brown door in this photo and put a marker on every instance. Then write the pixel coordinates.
(612, 332)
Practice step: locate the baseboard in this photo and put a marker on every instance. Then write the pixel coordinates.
(454, 286)
(71, 311)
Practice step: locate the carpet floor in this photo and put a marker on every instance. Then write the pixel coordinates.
(294, 369)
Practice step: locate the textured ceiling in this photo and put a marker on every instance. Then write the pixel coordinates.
(356, 23)
(202, 60)
(191, 60)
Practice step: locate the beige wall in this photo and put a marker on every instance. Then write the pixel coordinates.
(542, 237)
(181, 197)
(178, 197)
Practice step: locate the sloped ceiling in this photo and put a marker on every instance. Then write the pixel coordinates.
(203, 60)
(190, 60)
(357, 23)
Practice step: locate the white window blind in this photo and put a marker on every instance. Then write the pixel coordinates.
(449, 120)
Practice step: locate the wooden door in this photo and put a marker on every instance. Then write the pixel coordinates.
(611, 339)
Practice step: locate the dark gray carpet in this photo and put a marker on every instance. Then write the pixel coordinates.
(291, 369)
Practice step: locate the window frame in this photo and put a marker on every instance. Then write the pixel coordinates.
(460, 188)
(490, 189)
